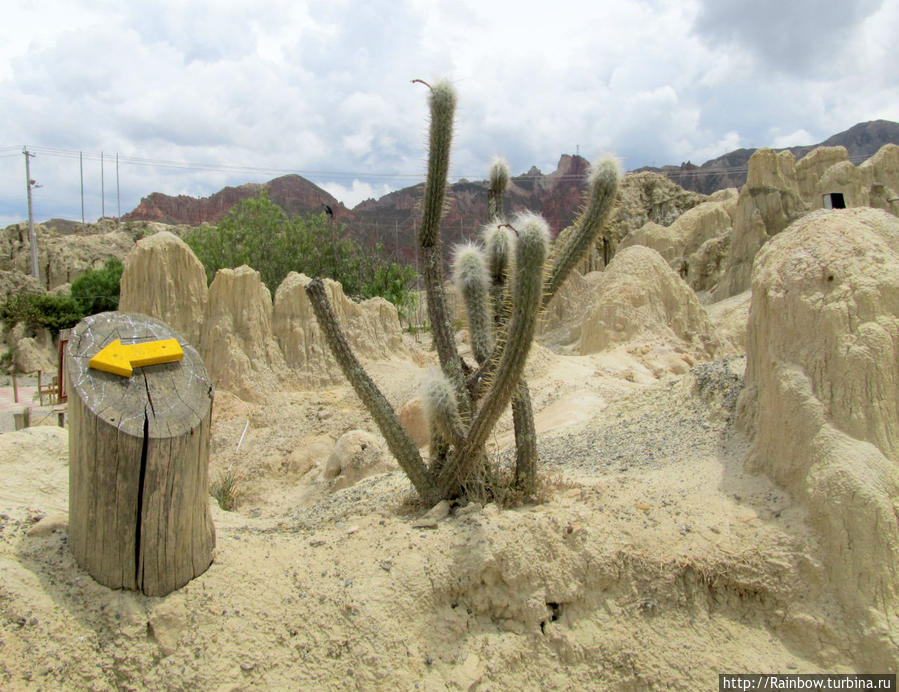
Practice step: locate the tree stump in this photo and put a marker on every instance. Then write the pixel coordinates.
(138, 461)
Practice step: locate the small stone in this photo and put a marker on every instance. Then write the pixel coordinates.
(433, 515)
(247, 666)
(470, 508)
(49, 524)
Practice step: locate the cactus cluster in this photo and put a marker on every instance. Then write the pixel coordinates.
(505, 283)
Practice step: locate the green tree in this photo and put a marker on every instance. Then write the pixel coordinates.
(247, 235)
(258, 233)
(98, 290)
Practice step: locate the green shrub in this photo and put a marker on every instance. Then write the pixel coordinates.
(258, 233)
(41, 311)
(97, 290)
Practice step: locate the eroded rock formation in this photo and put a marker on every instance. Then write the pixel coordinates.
(821, 401)
(694, 245)
(778, 191)
(163, 278)
(640, 298)
(249, 343)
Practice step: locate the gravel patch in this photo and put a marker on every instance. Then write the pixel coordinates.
(663, 424)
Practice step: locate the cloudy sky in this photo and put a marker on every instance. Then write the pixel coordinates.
(197, 95)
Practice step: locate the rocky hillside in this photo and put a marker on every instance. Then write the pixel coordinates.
(392, 219)
(293, 193)
(729, 170)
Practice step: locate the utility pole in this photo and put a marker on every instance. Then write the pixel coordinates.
(32, 236)
(102, 190)
(81, 167)
(118, 198)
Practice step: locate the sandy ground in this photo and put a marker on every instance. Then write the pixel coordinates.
(653, 561)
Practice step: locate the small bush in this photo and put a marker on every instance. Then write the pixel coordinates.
(226, 489)
(41, 311)
(98, 290)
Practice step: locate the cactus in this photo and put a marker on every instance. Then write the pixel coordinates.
(473, 283)
(498, 182)
(504, 290)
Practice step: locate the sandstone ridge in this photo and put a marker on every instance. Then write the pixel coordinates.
(251, 344)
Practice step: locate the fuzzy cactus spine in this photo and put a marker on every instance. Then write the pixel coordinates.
(442, 105)
(499, 178)
(602, 186)
(440, 407)
(527, 293)
(472, 281)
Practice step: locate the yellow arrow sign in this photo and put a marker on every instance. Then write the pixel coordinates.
(121, 359)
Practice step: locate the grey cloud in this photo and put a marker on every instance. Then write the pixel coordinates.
(798, 36)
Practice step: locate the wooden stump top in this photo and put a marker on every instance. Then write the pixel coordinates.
(170, 398)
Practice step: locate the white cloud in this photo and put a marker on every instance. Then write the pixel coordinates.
(793, 139)
(321, 87)
(357, 192)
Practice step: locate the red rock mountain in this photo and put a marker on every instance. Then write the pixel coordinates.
(293, 193)
(392, 219)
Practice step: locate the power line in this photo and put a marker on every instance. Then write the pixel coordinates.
(226, 167)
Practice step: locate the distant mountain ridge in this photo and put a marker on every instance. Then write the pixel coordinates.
(392, 219)
(293, 193)
(729, 170)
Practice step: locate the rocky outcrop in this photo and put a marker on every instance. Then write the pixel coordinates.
(768, 203)
(640, 298)
(778, 191)
(163, 278)
(357, 455)
(884, 167)
(61, 258)
(729, 170)
(648, 197)
(694, 244)
(35, 353)
(14, 282)
(237, 343)
(250, 344)
(372, 328)
(821, 402)
(812, 166)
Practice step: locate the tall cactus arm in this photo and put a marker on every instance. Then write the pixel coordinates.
(473, 284)
(398, 441)
(525, 438)
(442, 103)
(498, 247)
(602, 182)
(499, 180)
(527, 291)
